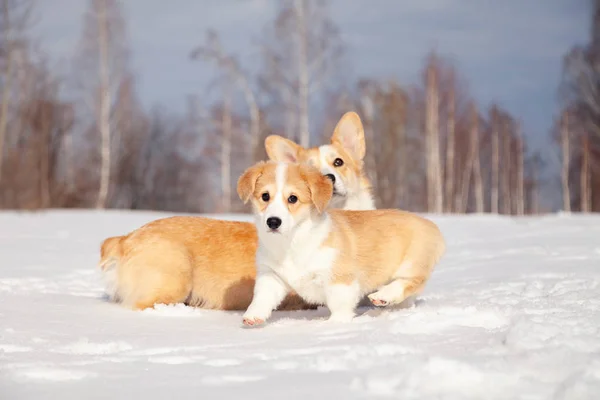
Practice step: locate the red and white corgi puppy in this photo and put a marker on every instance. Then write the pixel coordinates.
(341, 161)
(328, 256)
(210, 263)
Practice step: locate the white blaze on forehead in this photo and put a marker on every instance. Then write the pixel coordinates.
(326, 152)
(278, 208)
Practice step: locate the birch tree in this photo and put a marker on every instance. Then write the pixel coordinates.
(580, 91)
(586, 190)
(507, 170)
(566, 161)
(212, 51)
(450, 148)
(102, 64)
(476, 165)
(495, 167)
(300, 55)
(520, 165)
(432, 138)
(15, 20)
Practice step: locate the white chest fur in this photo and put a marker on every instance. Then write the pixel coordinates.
(301, 262)
(360, 201)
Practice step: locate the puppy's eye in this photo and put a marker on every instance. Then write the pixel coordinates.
(292, 199)
(338, 162)
(265, 196)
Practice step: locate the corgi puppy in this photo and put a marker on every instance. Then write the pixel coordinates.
(210, 263)
(341, 161)
(328, 256)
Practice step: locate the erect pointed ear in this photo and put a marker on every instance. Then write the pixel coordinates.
(350, 134)
(321, 187)
(247, 182)
(281, 149)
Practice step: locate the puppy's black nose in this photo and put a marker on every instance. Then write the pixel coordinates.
(332, 177)
(273, 222)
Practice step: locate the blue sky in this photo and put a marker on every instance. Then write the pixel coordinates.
(509, 51)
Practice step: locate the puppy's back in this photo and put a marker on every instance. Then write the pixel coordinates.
(385, 243)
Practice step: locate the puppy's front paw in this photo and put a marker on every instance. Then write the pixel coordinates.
(253, 321)
(341, 317)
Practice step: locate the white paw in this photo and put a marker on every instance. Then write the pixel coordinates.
(377, 300)
(341, 317)
(253, 321)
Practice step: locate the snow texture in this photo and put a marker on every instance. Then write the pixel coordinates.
(511, 312)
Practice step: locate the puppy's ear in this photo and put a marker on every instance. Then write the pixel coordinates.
(350, 134)
(281, 149)
(247, 182)
(321, 187)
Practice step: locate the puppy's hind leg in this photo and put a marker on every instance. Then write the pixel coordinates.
(161, 274)
(408, 281)
(397, 291)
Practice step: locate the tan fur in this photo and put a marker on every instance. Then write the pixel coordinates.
(380, 246)
(199, 261)
(320, 187)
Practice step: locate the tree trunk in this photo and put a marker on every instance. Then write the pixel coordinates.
(434, 181)
(506, 171)
(535, 198)
(495, 189)
(477, 179)
(254, 120)
(226, 135)
(520, 200)
(7, 81)
(368, 111)
(103, 117)
(450, 151)
(585, 175)
(45, 148)
(566, 159)
(303, 78)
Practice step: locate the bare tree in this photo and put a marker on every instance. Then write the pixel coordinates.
(213, 51)
(102, 61)
(586, 190)
(450, 149)
(520, 183)
(367, 102)
(15, 19)
(301, 54)
(507, 171)
(226, 133)
(495, 167)
(580, 91)
(566, 154)
(472, 170)
(476, 165)
(432, 138)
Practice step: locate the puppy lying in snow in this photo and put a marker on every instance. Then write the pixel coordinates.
(332, 257)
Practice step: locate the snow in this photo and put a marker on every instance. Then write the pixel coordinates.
(511, 312)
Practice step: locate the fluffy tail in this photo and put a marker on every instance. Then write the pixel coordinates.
(110, 252)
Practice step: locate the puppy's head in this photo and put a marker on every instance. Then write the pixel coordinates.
(284, 195)
(341, 161)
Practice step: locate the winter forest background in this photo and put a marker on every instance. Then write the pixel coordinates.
(75, 132)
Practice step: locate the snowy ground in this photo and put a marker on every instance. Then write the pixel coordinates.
(512, 312)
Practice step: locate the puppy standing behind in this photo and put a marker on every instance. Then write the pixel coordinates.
(210, 263)
(332, 257)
